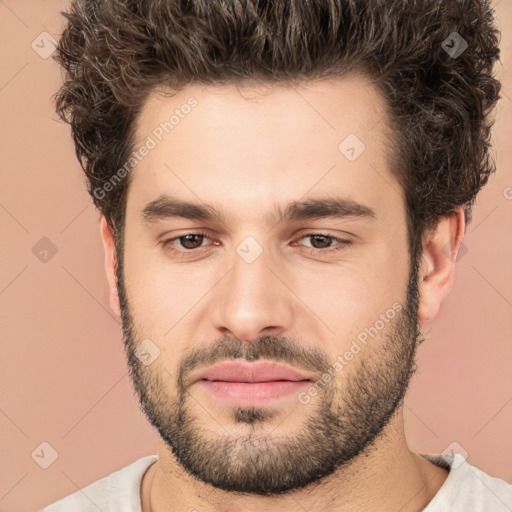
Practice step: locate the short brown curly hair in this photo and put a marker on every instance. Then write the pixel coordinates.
(116, 52)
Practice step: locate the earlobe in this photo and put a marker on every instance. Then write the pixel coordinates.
(437, 271)
(108, 240)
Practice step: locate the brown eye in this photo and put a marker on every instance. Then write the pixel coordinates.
(321, 241)
(325, 243)
(191, 241)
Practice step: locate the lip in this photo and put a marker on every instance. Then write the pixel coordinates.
(252, 384)
(258, 371)
(252, 394)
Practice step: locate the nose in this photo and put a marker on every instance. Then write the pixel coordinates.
(253, 300)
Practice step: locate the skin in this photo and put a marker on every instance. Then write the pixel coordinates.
(245, 150)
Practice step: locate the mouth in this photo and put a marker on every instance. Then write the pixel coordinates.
(252, 394)
(255, 372)
(252, 384)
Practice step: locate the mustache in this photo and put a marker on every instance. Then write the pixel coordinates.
(271, 348)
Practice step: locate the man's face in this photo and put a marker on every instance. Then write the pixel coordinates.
(248, 286)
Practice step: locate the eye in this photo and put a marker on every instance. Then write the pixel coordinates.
(191, 243)
(322, 242)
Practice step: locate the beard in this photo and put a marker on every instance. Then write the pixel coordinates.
(346, 418)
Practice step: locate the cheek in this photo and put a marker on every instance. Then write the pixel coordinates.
(148, 287)
(160, 294)
(351, 296)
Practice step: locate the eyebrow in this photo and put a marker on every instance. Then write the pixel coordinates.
(166, 207)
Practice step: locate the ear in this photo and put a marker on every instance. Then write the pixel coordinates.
(110, 264)
(437, 271)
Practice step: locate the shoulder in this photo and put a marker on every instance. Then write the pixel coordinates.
(468, 488)
(119, 491)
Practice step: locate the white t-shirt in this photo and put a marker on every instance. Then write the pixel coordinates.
(466, 489)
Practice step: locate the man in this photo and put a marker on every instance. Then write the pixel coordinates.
(283, 187)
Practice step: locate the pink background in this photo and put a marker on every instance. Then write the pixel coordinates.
(63, 378)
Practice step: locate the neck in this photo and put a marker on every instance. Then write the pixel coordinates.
(362, 484)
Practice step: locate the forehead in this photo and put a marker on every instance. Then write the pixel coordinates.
(252, 147)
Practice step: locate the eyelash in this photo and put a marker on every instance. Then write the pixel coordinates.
(183, 253)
